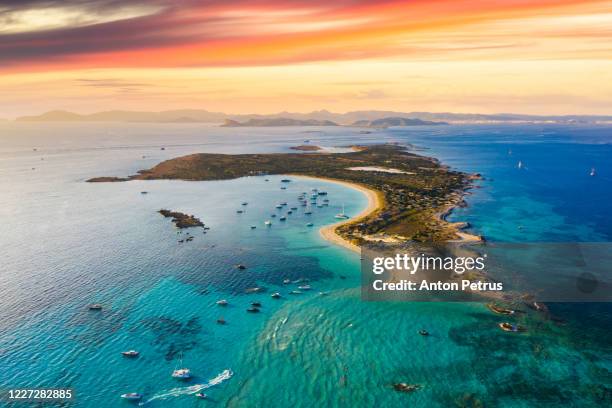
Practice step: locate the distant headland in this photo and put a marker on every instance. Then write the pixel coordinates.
(409, 194)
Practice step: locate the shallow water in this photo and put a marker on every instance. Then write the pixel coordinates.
(67, 244)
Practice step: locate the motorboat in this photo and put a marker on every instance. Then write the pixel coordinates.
(509, 327)
(130, 353)
(222, 302)
(268, 223)
(275, 295)
(305, 287)
(132, 396)
(310, 224)
(253, 310)
(201, 395)
(95, 306)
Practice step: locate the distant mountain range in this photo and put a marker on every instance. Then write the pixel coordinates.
(323, 116)
(278, 122)
(388, 122)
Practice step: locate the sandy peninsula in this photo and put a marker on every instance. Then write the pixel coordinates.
(375, 203)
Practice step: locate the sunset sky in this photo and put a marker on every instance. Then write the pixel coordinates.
(522, 56)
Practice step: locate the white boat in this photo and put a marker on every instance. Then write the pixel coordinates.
(201, 395)
(130, 353)
(342, 215)
(295, 292)
(520, 164)
(181, 373)
(222, 302)
(310, 224)
(276, 295)
(592, 173)
(286, 281)
(304, 287)
(268, 223)
(132, 396)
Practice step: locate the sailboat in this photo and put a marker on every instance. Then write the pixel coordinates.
(342, 215)
(181, 373)
(592, 173)
(520, 164)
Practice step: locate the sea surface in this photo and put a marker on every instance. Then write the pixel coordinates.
(66, 244)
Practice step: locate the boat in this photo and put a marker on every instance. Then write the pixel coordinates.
(181, 373)
(310, 224)
(304, 287)
(275, 295)
(285, 181)
(592, 173)
(322, 193)
(499, 310)
(245, 203)
(283, 188)
(144, 192)
(308, 212)
(287, 281)
(423, 332)
(320, 206)
(405, 387)
(283, 218)
(323, 293)
(279, 206)
(241, 267)
(201, 395)
(132, 396)
(253, 290)
(283, 203)
(289, 212)
(95, 306)
(221, 320)
(239, 211)
(222, 302)
(253, 226)
(342, 215)
(520, 165)
(295, 292)
(293, 208)
(326, 200)
(130, 353)
(273, 215)
(268, 223)
(256, 304)
(509, 327)
(253, 310)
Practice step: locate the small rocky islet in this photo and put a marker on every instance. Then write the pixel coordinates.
(182, 220)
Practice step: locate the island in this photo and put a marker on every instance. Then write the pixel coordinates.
(409, 201)
(182, 220)
(306, 148)
(387, 122)
(267, 122)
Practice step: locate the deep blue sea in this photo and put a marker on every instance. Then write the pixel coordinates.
(66, 243)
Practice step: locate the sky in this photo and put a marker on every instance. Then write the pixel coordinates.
(237, 56)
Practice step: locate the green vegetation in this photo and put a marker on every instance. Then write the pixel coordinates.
(412, 199)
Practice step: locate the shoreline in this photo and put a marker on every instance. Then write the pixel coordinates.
(328, 232)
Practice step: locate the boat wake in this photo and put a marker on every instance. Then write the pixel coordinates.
(192, 389)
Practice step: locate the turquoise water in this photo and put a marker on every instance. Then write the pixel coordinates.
(67, 244)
